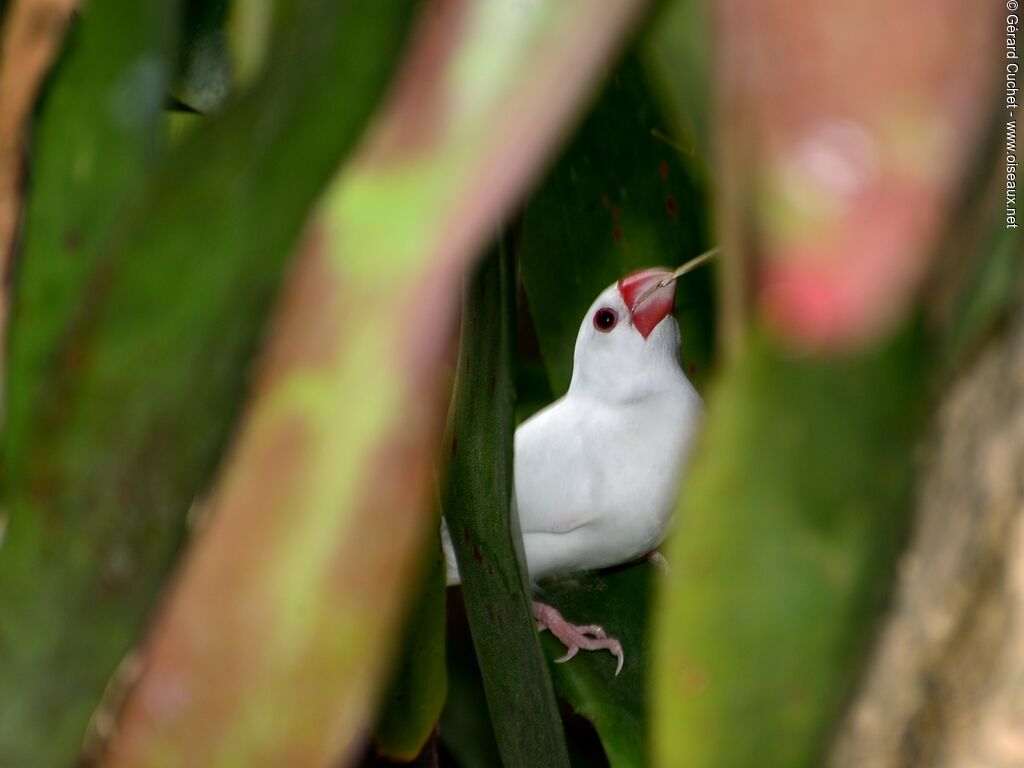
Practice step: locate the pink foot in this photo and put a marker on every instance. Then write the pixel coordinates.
(588, 637)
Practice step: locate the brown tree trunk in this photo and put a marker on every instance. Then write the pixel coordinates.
(945, 687)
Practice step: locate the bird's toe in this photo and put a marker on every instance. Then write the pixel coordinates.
(586, 637)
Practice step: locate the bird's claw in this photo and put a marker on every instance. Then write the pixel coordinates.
(591, 629)
(587, 637)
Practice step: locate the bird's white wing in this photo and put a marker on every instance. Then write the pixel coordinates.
(556, 484)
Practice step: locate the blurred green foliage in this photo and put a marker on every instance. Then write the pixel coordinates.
(155, 243)
(784, 552)
(138, 307)
(95, 141)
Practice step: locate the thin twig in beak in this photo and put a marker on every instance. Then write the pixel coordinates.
(689, 266)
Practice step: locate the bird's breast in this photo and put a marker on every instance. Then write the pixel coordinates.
(606, 476)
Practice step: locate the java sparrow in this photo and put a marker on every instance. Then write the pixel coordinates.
(598, 471)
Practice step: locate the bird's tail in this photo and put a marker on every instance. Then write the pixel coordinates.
(451, 567)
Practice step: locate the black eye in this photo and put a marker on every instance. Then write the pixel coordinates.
(605, 319)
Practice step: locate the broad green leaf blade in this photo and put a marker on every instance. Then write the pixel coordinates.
(122, 412)
(250, 32)
(466, 731)
(617, 600)
(415, 696)
(349, 414)
(477, 510)
(789, 526)
(619, 199)
(95, 139)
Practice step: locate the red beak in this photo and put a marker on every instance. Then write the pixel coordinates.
(648, 303)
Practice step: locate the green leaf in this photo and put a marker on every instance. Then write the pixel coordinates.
(477, 506)
(95, 140)
(415, 697)
(619, 199)
(118, 416)
(250, 28)
(466, 731)
(97, 137)
(788, 530)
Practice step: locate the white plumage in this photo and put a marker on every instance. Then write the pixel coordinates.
(597, 472)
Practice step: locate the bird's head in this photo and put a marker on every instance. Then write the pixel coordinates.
(628, 344)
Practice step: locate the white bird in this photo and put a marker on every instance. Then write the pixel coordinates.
(597, 472)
